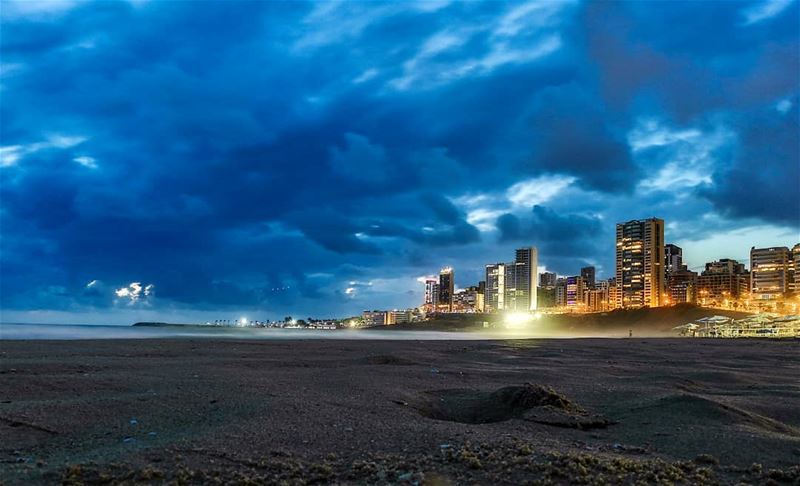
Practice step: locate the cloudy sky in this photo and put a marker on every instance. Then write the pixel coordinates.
(201, 160)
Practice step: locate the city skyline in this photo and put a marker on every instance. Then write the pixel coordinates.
(648, 273)
(319, 159)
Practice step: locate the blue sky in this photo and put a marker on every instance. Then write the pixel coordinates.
(201, 160)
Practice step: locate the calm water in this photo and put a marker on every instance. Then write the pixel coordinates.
(73, 331)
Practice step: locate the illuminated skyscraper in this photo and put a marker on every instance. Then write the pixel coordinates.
(521, 281)
(771, 270)
(446, 288)
(673, 258)
(561, 292)
(574, 288)
(494, 299)
(597, 300)
(796, 260)
(640, 263)
(510, 302)
(723, 280)
(681, 287)
(613, 293)
(431, 291)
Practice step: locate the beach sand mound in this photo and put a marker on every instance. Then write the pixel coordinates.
(704, 410)
(531, 402)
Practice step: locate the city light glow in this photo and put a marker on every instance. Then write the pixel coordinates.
(518, 320)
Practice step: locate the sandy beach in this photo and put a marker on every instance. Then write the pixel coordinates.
(408, 412)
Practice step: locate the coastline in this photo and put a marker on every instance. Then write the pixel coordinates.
(646, 322)
(640, 323)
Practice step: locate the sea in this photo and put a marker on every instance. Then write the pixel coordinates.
(17, 331)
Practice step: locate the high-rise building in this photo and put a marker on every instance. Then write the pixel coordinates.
(521, 281)
(640, 263)
(510, 301)
(547, 279)
(681, 286)
(771, 271)
(546, 293)
(512, 286)
(431, 291)
(546, 297)
(495, 294)
(613, 292)
(796, 261)
(446, 287)
(561, 292)
(469, 299)
(481, 302)
(723, 280)
(724, 266)
(596, 300)
(718, 288)
(574, 291)
(587, 274)
(673, 258)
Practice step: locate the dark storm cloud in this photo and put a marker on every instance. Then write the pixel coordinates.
(572, 133)
(567, 240)
(686, 59)
(361, 161)
(268, 155)
(764, 176)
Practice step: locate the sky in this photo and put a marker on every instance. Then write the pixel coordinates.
(192, 161)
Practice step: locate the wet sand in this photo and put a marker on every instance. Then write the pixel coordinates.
(429, 412)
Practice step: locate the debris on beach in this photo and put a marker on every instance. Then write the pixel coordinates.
(512, 462)
(386, 359)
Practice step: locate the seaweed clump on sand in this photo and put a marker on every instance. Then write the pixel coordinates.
(508, 462)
